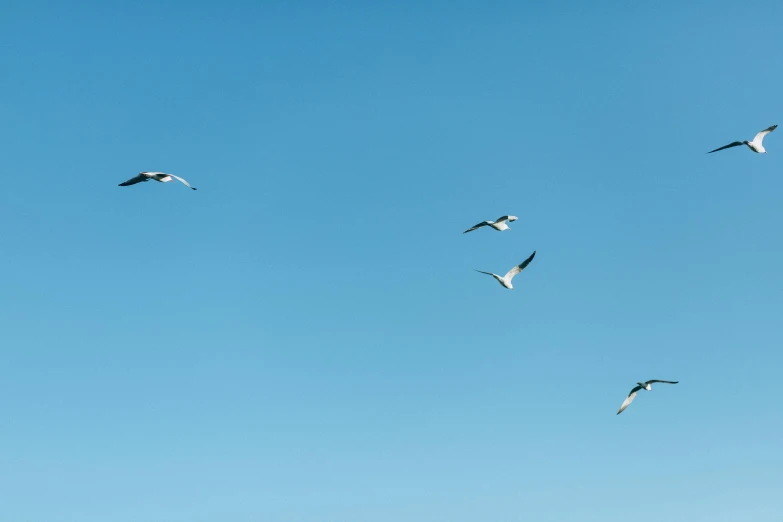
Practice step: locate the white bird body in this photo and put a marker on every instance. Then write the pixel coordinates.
(161, 177)
(500, 224)
(505, 281)
(756, 145)
(641, 386)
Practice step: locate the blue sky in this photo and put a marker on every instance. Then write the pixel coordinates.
(303, 338)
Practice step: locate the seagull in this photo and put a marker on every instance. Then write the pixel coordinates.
(157, 176)
(754, 145)
(646, 386)
(506, 279)
(499, 224)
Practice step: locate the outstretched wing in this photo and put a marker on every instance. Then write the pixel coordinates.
(504, 218)
(474, 227)
(760, 136)
(730, 145)
(517, 269)
(183, 181)
(667, 382)
(134, 180)
(488, 273)
(628, 400)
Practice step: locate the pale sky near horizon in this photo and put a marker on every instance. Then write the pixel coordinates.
(304, 339)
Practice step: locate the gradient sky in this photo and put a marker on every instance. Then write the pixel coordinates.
(304, 339)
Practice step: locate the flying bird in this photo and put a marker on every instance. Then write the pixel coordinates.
(499, 224)
(646, 386)
(754, 145)
(506, 279)
(157, 176)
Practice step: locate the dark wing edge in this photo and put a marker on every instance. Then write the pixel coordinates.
(133, 181)
(730, 145)
(526, 261)
(474, 227)
(658, 380)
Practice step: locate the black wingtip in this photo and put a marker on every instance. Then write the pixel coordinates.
(193, 188)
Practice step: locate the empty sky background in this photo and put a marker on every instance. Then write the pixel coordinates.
(303, 339)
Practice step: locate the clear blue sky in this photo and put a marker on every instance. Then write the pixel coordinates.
(304, 339)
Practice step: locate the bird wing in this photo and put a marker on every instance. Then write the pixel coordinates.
(517, 269)
(628, 400)
(503, 218)
(760, 136)
(182, 180)
(137, 179)
(730, 145)
(667, 382)
(488, 273)
(474, 227)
